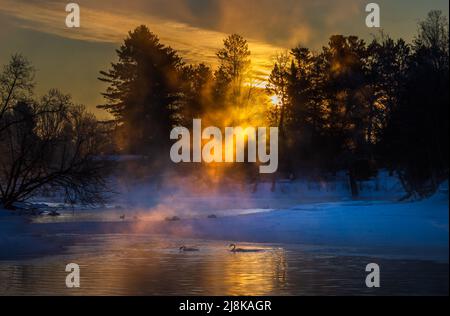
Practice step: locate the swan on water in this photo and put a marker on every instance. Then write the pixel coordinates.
(234, 249)
(187, 249)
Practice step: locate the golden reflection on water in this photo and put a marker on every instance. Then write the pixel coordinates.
(144, 265)
(116, 266)
(257, 273)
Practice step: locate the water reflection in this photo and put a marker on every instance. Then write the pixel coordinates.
(146, 265)
(114, 265)
(261, 273)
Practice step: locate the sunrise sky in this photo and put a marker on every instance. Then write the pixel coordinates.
(70, 59)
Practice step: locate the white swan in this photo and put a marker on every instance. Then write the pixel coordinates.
(234, 249)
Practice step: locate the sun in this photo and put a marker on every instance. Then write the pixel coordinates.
(275, 100)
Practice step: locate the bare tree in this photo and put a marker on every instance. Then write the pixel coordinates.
(16, 83)
(433, 35)
(51, 145)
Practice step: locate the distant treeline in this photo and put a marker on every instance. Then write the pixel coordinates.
(352, 106)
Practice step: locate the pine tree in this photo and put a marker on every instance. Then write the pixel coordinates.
(234, 65)
(144, 91)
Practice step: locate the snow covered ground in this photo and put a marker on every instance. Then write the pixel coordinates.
(314, 239)
(320, 215)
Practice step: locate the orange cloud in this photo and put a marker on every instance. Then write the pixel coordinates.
(195, 44)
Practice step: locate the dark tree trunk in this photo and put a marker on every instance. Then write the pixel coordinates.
(8, 205)
(353, 183)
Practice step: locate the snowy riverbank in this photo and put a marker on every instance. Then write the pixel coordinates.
(375, 227)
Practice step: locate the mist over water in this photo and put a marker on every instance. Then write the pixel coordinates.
(305, 167)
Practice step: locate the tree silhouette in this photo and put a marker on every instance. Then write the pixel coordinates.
(51, 145)
(415, 140)
(362, 107)
(234, 63)
(144, 91)
(16, 84)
